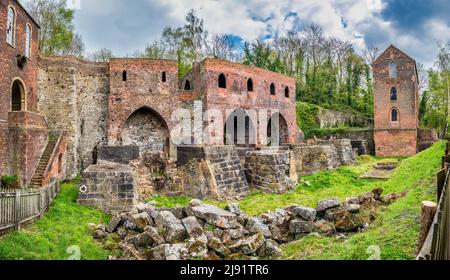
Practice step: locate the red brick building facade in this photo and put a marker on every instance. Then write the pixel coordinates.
(145, 93)
(23, 132)
(396, 88)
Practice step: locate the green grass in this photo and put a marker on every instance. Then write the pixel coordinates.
(64, 226)
(342, 183)
(396, 229)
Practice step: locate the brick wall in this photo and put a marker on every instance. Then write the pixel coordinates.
(73, 96)
(28, 137)
(9, 70)
(405, 130)
(204, 78)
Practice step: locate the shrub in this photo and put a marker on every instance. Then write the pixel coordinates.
(10, 182)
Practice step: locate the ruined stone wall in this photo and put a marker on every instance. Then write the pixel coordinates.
(426, 138)
(345, 150)
(270, 171)
(109, 187)
(311, 158)
(392, 136)
(331, 119)
(204, 78)
(73, 96)
(212, 172)
(24, 153)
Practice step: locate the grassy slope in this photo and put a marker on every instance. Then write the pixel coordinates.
(63, 226)
(396, 230)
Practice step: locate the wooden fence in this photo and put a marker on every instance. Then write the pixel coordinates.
(20, 207)
(437, 244)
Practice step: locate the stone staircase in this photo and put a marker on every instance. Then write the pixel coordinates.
(227, 171)
(36, 180)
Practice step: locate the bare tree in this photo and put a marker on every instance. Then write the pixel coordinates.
(370, 53)
(221, 47)
(102, 55)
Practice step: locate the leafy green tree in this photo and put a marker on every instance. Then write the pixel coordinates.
(57, 35)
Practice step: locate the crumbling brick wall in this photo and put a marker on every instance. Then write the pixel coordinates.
(396, 138)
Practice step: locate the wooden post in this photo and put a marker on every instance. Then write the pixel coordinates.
(428, 212)
(17, 209)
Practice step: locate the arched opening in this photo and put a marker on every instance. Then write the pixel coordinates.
(239, 129)
(164, 78)
(277, 131)
(250, 85)
(286, 92)
(222, 81)
(393, 70)
(146, 129)
(272, 89)
(124, 76)
(187, 85)
(393, 94)
(17, 96)
(394, 115)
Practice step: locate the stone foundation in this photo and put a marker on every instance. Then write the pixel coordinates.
(212, 172)
(344, 149)
(118, 154)
(109, 187)
(270, 171)
(312, 158)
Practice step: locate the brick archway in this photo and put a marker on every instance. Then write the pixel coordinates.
(277, 130)
(18, 95)
(146, 129)
(239, 129)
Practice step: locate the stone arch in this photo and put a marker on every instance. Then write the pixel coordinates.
(222, 81)
(187, 85)
(277, 130)
(239, 129)
(272, 89)
(18, 95)
(395, 115)
(286, 92)
(148, 130)
(250, 85)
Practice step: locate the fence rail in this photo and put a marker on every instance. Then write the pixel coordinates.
(20, 207)
(437, 244)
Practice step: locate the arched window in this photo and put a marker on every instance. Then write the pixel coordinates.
(394, 115)
(28, 41)
(286, 92)
(187, 85)
(164, 78)
(250, 85)
(392, 70)
(124, 76)
(272, 89)
(17, 96)
(222, 81)
(393, 94)
(10, 26)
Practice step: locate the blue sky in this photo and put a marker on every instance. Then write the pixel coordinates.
(413, 25)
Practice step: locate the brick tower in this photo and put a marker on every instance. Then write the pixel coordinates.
(396, 92)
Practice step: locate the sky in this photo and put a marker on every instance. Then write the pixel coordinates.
(125, 26)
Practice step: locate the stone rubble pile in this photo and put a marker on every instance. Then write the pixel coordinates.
(202, 231)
